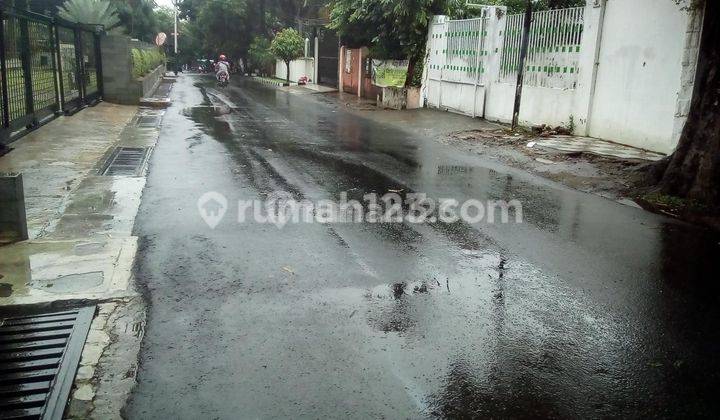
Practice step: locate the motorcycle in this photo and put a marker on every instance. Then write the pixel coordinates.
(223, 79)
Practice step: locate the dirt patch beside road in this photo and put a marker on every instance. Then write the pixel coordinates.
(612, 178)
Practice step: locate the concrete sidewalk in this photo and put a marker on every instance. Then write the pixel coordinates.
(81, 248)
(79, 221)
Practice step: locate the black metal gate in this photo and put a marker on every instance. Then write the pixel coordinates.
(328, 57)
(46, 67)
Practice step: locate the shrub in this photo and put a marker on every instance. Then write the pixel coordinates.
(145, 61)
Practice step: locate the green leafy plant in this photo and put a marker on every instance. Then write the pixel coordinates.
(97, 12)
(145, 61)
(287, 46)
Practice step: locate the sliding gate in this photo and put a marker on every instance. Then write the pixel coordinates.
(46, 67)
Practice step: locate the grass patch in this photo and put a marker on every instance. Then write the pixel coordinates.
(665, 200)
(672, 205)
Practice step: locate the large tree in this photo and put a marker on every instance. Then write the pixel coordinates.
(693, 170)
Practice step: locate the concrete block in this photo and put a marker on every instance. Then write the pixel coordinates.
(13, 220)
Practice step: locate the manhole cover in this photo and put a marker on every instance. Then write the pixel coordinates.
(39, 355)
(126, 161)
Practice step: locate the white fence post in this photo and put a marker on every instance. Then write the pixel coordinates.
(497, 17)
(495, 23)
(341, 68)
(316, 60)
(588, 65)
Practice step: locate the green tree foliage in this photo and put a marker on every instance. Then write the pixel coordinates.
(100, 12)
(230, 25)
(191, 43)
(165, 17)
(287, 46)
(138, 17)
(259, 56)
(225, 27)
(392, 29)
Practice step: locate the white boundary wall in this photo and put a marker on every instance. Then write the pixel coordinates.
(298, 68)
(639, 77)
(638, 94)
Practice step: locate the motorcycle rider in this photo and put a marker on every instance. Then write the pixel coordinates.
(222, 68)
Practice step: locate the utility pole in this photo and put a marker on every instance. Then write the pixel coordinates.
(521, 65)
(175, 33)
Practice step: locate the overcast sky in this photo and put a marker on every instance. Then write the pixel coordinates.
(164, 2)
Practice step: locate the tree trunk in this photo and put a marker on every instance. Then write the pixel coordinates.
(410, 72)
(418, 55)
(693, 170)
(287, 66)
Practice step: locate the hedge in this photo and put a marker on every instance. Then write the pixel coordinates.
(145, 61)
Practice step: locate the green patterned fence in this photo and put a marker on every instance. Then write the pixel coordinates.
(553, 51)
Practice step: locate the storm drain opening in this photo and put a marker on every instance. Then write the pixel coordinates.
(148, 121)
(39, 356)
(125, 161)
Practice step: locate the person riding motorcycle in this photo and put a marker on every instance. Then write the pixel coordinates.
(222, 69)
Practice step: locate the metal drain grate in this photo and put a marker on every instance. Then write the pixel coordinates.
(125, 161)
(148, 121)
(39, 355)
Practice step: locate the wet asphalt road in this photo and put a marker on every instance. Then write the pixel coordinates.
(587, 309)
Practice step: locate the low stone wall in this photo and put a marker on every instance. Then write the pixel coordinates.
(150, 82)
(399, 98)
(119, 85)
